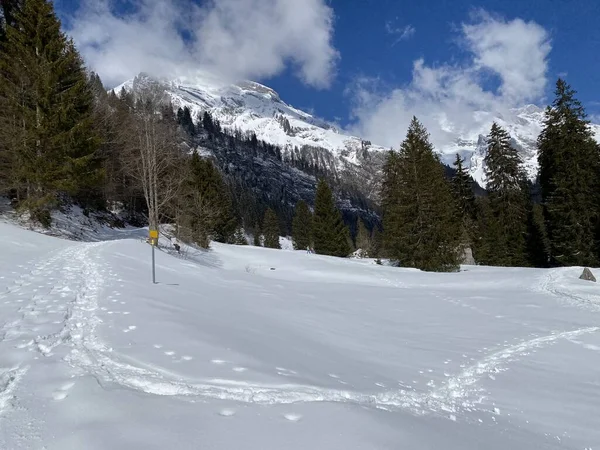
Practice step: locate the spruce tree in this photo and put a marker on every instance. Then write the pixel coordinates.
(569, 176)
(463, 192)
(302, 226)
(271, 230)
(508, 197)
(205, 206)
(257, 238)
(465, 201)
(364, 240)
(46, 106)
(330, 234)
(239, 238)
(421, 225)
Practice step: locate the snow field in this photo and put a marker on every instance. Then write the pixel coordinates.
(241, 347)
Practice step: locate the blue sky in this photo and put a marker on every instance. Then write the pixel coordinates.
(368, 49)
(366, 64)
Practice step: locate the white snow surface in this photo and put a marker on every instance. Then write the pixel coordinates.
(252, 107)
(247, 348)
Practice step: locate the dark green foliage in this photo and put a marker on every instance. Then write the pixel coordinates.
(506, 221)
(271, 229)
(421, 226)
(463, 193)
(330, 234)
(538, 247)
(204, 207)
(569, 176)
(8, 12)
(46, 109)
(364, 240)
(239, 238)
(184, 119)
(302, 226)
(257, 241)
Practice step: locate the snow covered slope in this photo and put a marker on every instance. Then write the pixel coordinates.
(252, 107)
(251, 348)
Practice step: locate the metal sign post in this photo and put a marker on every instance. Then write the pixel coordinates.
(153, 243)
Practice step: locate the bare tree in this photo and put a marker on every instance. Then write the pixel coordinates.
(153, 157)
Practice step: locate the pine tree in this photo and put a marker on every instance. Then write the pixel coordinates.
(421, 225)
(8, 12)
(271, 230)
(465, 202)
(302, 226)
(508, 197)
(257, 241)
(364, 240)
(463, 192)
(46, 106)
(330, 234)
(204, 208)
(569, 160)
(239, 238)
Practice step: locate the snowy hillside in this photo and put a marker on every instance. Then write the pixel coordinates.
(252, 107)
(247, 348)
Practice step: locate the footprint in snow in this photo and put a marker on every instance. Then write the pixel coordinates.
(158, 346)
(227, 412)
(285, 372)
(169, 353)
(239, 369)
(187, 358)
(63, 391)
(293, 417)
(333, 375)
(219, 362)
(129, 328)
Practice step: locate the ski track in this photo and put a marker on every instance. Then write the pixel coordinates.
(76, 275)
(81, 279)
(550, 284)
(460, 393)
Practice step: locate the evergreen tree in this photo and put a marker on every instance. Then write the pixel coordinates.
(8, 12)
(537, 238)
(204, 208)
(465, 201)
(46, 106)
(330, 234)
(508, 201)
(239, 238)
(184, 118)
(364, 240)
(421, 225)
(463, 192)
(569, 160)
(271, 229)
(302, 226)
(257, 241)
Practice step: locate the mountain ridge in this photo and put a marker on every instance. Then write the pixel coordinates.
(252, 107)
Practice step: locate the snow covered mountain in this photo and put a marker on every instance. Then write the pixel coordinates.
(252, 107)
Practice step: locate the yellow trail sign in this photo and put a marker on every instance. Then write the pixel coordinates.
(153, 234)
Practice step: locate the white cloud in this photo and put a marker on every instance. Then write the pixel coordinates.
(401, 33)
(452, 100)
(235, 39)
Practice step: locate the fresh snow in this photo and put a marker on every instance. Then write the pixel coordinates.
(250, 348)
(252, 107)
